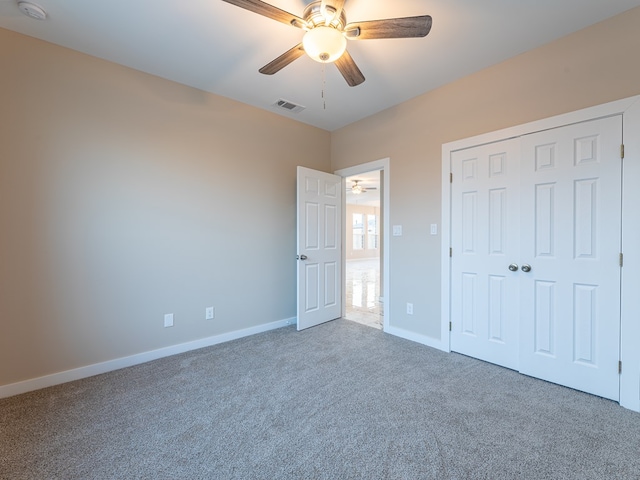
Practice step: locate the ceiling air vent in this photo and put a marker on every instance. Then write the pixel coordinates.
(289, 106)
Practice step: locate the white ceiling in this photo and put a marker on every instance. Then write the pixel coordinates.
(218, 47)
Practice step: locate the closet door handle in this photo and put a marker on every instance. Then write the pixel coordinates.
(526, 268)
(513, 267)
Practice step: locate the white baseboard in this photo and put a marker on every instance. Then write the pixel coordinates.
(108, 366)
(416, 337)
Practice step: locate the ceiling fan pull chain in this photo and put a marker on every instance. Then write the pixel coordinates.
(324, 83)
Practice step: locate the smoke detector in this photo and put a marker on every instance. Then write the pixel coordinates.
(32, 10)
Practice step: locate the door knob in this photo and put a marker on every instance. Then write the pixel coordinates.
(526, 268)
(513, 267)
(301, 257)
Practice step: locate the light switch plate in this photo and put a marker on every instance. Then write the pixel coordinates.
(434, 229)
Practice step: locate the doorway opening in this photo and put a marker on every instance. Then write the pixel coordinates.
(363, 247)
(379, 169)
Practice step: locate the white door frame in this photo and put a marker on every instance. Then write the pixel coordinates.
(630, 306)
(384, 166)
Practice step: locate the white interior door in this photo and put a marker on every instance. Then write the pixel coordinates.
(570, 299)
(550, 204)
(319, 247)
(485, 216)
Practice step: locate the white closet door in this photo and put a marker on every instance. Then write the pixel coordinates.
(570, 230)
(485, 241)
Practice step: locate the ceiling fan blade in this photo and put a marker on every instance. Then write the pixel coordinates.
(264, 9)
(349, 70)
(283, 60)
(334, 10)
(407, 27)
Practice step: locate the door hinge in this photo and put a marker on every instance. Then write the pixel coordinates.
(622, 151)
(450, 177)
(621, 259)
(620, 366)
(450, 252)
(450, 326)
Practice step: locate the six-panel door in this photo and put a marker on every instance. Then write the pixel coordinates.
(570, 300)
(319, 247)
(550, 204)
(485, 219)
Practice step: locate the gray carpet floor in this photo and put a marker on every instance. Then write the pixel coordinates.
(338, 401)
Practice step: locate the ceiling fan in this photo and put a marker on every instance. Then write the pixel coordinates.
(357, 189)
(327, 31)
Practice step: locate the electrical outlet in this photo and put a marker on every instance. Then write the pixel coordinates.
(210, 313)
(409, 308)
(168, 320)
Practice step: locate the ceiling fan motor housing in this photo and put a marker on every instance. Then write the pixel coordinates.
(314, 16)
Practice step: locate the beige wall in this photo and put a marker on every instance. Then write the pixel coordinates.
(593, 66)
(124, 196)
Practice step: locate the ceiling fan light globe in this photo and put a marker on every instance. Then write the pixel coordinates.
(324, 44)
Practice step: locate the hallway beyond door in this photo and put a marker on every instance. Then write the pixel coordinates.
(363, 292)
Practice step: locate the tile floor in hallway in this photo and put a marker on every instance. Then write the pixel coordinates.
(363, 292)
